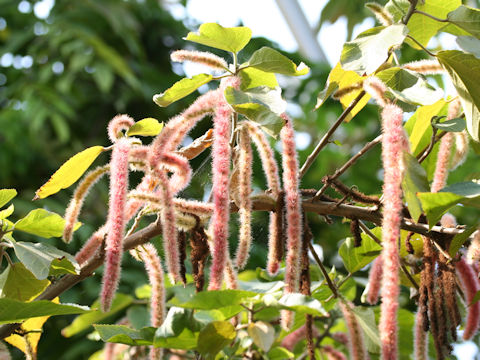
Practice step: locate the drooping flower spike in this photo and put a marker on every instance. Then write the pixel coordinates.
(116, 221)
(426, 67)
(470, 286)
(76, 203)
(200, 57)
(356, 343)
(221, 198)
(393, 145)
(245, 205)
(270, 167)
(117, 124)
(375, 281)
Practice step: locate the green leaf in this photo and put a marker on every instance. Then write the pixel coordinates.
(453, 125)
(280, 353)
(423, 28)
(409, 87)
(262, 334)
(464, 70)
(69, 172)
(186, 340)
(231, 39)
(355, 258)
(14, 311)
(406, 321)
(6, 195)
(18, 283)
(252, 78)
(145, 127)
(436, 204)
(38, 258)
(459, 239)
(262, 105)
(414, 181)
(7, 212)
(208, 300)
(469, 44)
(42, 223)
(221, 314)
(138, 316)
(260, 287)
(181, 89)
(270, 60)
(83, 322)
(419, 125)
(366, 320)
(466, 18)
(122, 334)
(371, 48)
(214, 337)
(302, 303)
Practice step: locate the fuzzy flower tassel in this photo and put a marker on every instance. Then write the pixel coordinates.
(116, 221)
(356, 342)
(470, 286)
(221, 199)
(393, 145)
(375, 281)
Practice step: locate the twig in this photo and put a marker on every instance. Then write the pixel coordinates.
(427, 150)
(411, 10)
(367, 231)
(330, 283)
(324, 141)
(419, 44)
(348, 164)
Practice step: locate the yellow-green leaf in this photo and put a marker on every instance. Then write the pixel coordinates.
(69, 172)
(262, 334)
(7, 212)
(214, 35)
(6, 195)
(146, 127)
(466, 18)
(181, 89)
(252, 78)
(270, 60)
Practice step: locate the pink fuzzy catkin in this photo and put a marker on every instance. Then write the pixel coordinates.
(91, 246)
(473, 252)
(375, 281)
(117, 124)
(182, 172)
(393, 144)
(333, 354)
(153, 265)
(443, 158)
(356, 343)
(292, 204)
(75, 205)
(470, 286)
(245, 205)
(292, 339)
(421, 338)
(376, 88)
(270, 168)
(426, 67)
(116, 221)
(200, 57)
(461, 149)
(221, 198)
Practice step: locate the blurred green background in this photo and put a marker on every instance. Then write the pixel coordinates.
(65, 75)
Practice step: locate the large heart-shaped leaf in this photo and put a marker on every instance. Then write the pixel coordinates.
(214, 35)
(466, 18)
(464, 70)
(69, 172)
(17, 282)
(370, 49)
(270, 60)
(6, 195)
(43, 223)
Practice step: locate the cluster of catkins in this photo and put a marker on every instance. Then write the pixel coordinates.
(437, 303)
(167, 172)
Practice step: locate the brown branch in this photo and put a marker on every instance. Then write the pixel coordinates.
(330, 283)
(325, 139)
(371, 214)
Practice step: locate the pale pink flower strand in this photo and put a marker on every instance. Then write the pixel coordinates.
(292, 339)
(116, 221)
(245, 205)
(376, 88)
(356, 342)
(221, 198)
(421, 338)
(426, 67)
(393, 145)
(333, 354)
(200, 57)
(470, 286)
(117, 124)
(91, 246)
(375, 281)
(76, 203)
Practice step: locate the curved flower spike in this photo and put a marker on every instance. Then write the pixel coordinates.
(117, 124)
